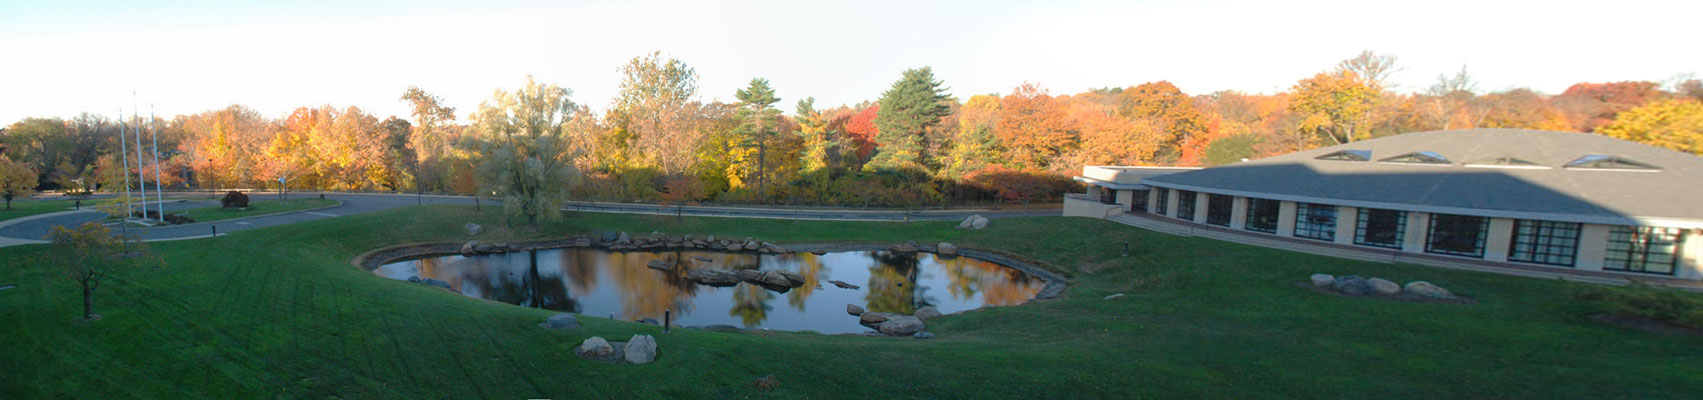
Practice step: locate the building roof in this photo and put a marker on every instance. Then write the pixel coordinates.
(1559, 176)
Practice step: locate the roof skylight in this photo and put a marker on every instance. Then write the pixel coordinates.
(1603, 161)
(1505, 161)
(1418, 157)
(1347, 155)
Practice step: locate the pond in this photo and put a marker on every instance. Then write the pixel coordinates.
(618, 285)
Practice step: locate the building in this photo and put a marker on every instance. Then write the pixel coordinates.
(1538, 203)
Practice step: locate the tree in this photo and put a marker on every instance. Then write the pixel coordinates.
(1334, 106)
(1034, 128)
(1375, 68)
(1450, 99)
(526, 156)
(758, 123)
(915, 103)
(1232, 149)
(88, 254)
(16, 180)
(1167, 106)
(654, 111)
(1591, 105)
(1674, 124)
(426, 141)
(975, 146)
(818, 140)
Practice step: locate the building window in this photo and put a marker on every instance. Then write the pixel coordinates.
(1458, 235)
(1262, 215)
(1348, 155)
(1545, 242)
(1381, 228)
(1185, 205)
(1162, 201)
(1218, 209)
(1643, 249)
(1138, 201)
(1315, 221)
(1418, 157)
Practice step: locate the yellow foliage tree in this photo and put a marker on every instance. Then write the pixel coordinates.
(1674, 124)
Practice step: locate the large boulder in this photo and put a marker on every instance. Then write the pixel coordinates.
(640, 349)
(595, 346)
(713, 277)
(974, 222)
(902, 325)
(1353, 284)
(907, 247)
(437, 283)
(1322, 279)
(946, 249)
(874, 318)
(928, 312)
(1427, 289)
(1384, 287)
(793, 278)
(854, 309)
(772, 280)
(470, 249)
(234, 199)
(560, 321)
(623, 238)
(473, 229)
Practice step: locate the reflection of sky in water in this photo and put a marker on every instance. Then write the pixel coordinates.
(600, 283)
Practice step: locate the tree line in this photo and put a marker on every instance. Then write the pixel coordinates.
(916, 145)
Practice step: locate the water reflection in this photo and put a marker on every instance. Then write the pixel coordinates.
(602, 283)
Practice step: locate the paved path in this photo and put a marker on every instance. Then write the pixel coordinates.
(33, 228)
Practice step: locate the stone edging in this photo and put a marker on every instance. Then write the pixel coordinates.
(371, 260)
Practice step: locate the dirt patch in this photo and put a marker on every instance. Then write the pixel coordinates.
(1403, 297)
(1647, 324)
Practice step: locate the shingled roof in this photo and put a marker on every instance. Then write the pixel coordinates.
(1558, 176)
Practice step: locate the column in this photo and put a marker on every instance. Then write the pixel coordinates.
(1239, 213)
(1200, 204)
(1593, 246)
(1286, 219)
(1345, 219)
(1413, 240)
(1171, 202)
(1691, 253)
(1501, 234)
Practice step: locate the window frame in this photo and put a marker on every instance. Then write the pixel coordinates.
(1363, 226)
(1530, 242)
(1253, 204)
(1431, 241)
(1160, 207)
(1640, 250)
(1304, 217)
(1185, 204)
(1220, 213)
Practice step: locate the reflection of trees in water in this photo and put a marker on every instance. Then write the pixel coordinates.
(811, 268)
(646, 293)
(892, 283)
(550, 290)
(998, 285)
(750, 304)
(581, 268)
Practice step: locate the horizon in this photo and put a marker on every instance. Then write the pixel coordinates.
(289, 55)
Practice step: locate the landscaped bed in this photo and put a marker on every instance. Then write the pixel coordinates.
(279, 312)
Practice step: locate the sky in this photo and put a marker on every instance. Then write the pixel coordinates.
(61, 58)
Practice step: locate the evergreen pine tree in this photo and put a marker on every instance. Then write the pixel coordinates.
(915, 103)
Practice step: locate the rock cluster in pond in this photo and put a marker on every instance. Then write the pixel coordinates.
(893, 324)
(780, 281)
(474, 247)
(1359, 286)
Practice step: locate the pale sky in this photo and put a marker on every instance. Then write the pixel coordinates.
(59, 58)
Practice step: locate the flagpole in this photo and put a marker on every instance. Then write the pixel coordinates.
(124, 151)
(158, 194)
(141, 176)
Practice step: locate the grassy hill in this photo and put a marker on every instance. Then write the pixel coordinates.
(280, 313)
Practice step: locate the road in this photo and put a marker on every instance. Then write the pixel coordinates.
(33, 229)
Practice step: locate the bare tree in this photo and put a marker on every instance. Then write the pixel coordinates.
(1375, 68)
(1452, 96)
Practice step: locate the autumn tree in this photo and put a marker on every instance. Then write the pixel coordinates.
(819, 142)
(758, 124)
(915, 103)
(427, 143)
(226, 145)
(860, 126)
(526, 156)
(1173, 111)
(89, 254)
(1335, 106)
(1375, 68)
(1450, 101)
(654, 111)
(975, 145)
(1673, 124)
(1591, 105)
(1033, 128)
(16, 180)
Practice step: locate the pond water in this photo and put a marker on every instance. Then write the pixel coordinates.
(617, 284)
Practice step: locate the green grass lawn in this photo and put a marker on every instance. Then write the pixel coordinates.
(22, 209)
(279, 312)
(257, 207)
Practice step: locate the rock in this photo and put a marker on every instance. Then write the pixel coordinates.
(873, 318)
(1353, 284)
(641, 349)
(713, 277)
(608, 236)
(414, 279)
(902, 325)
(1427, 289)
(844, 285)
(1115, 296)
(946, 249)
(1322, 279)
(853, 309)
(923, 335)
(772, 280)
(659, 265)
(582, 242)
(470, 249)
(975, 222)
(907, 247)
(438, 283)
(561, 321)
(702, 258)
(752, 245)
(773, 248)
(928, 313)
(793, 278)
(819, 252)
(1384, 287)
(651, 321)
(747, 274)
(473, 229)
(595, 346)
(623, 238)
